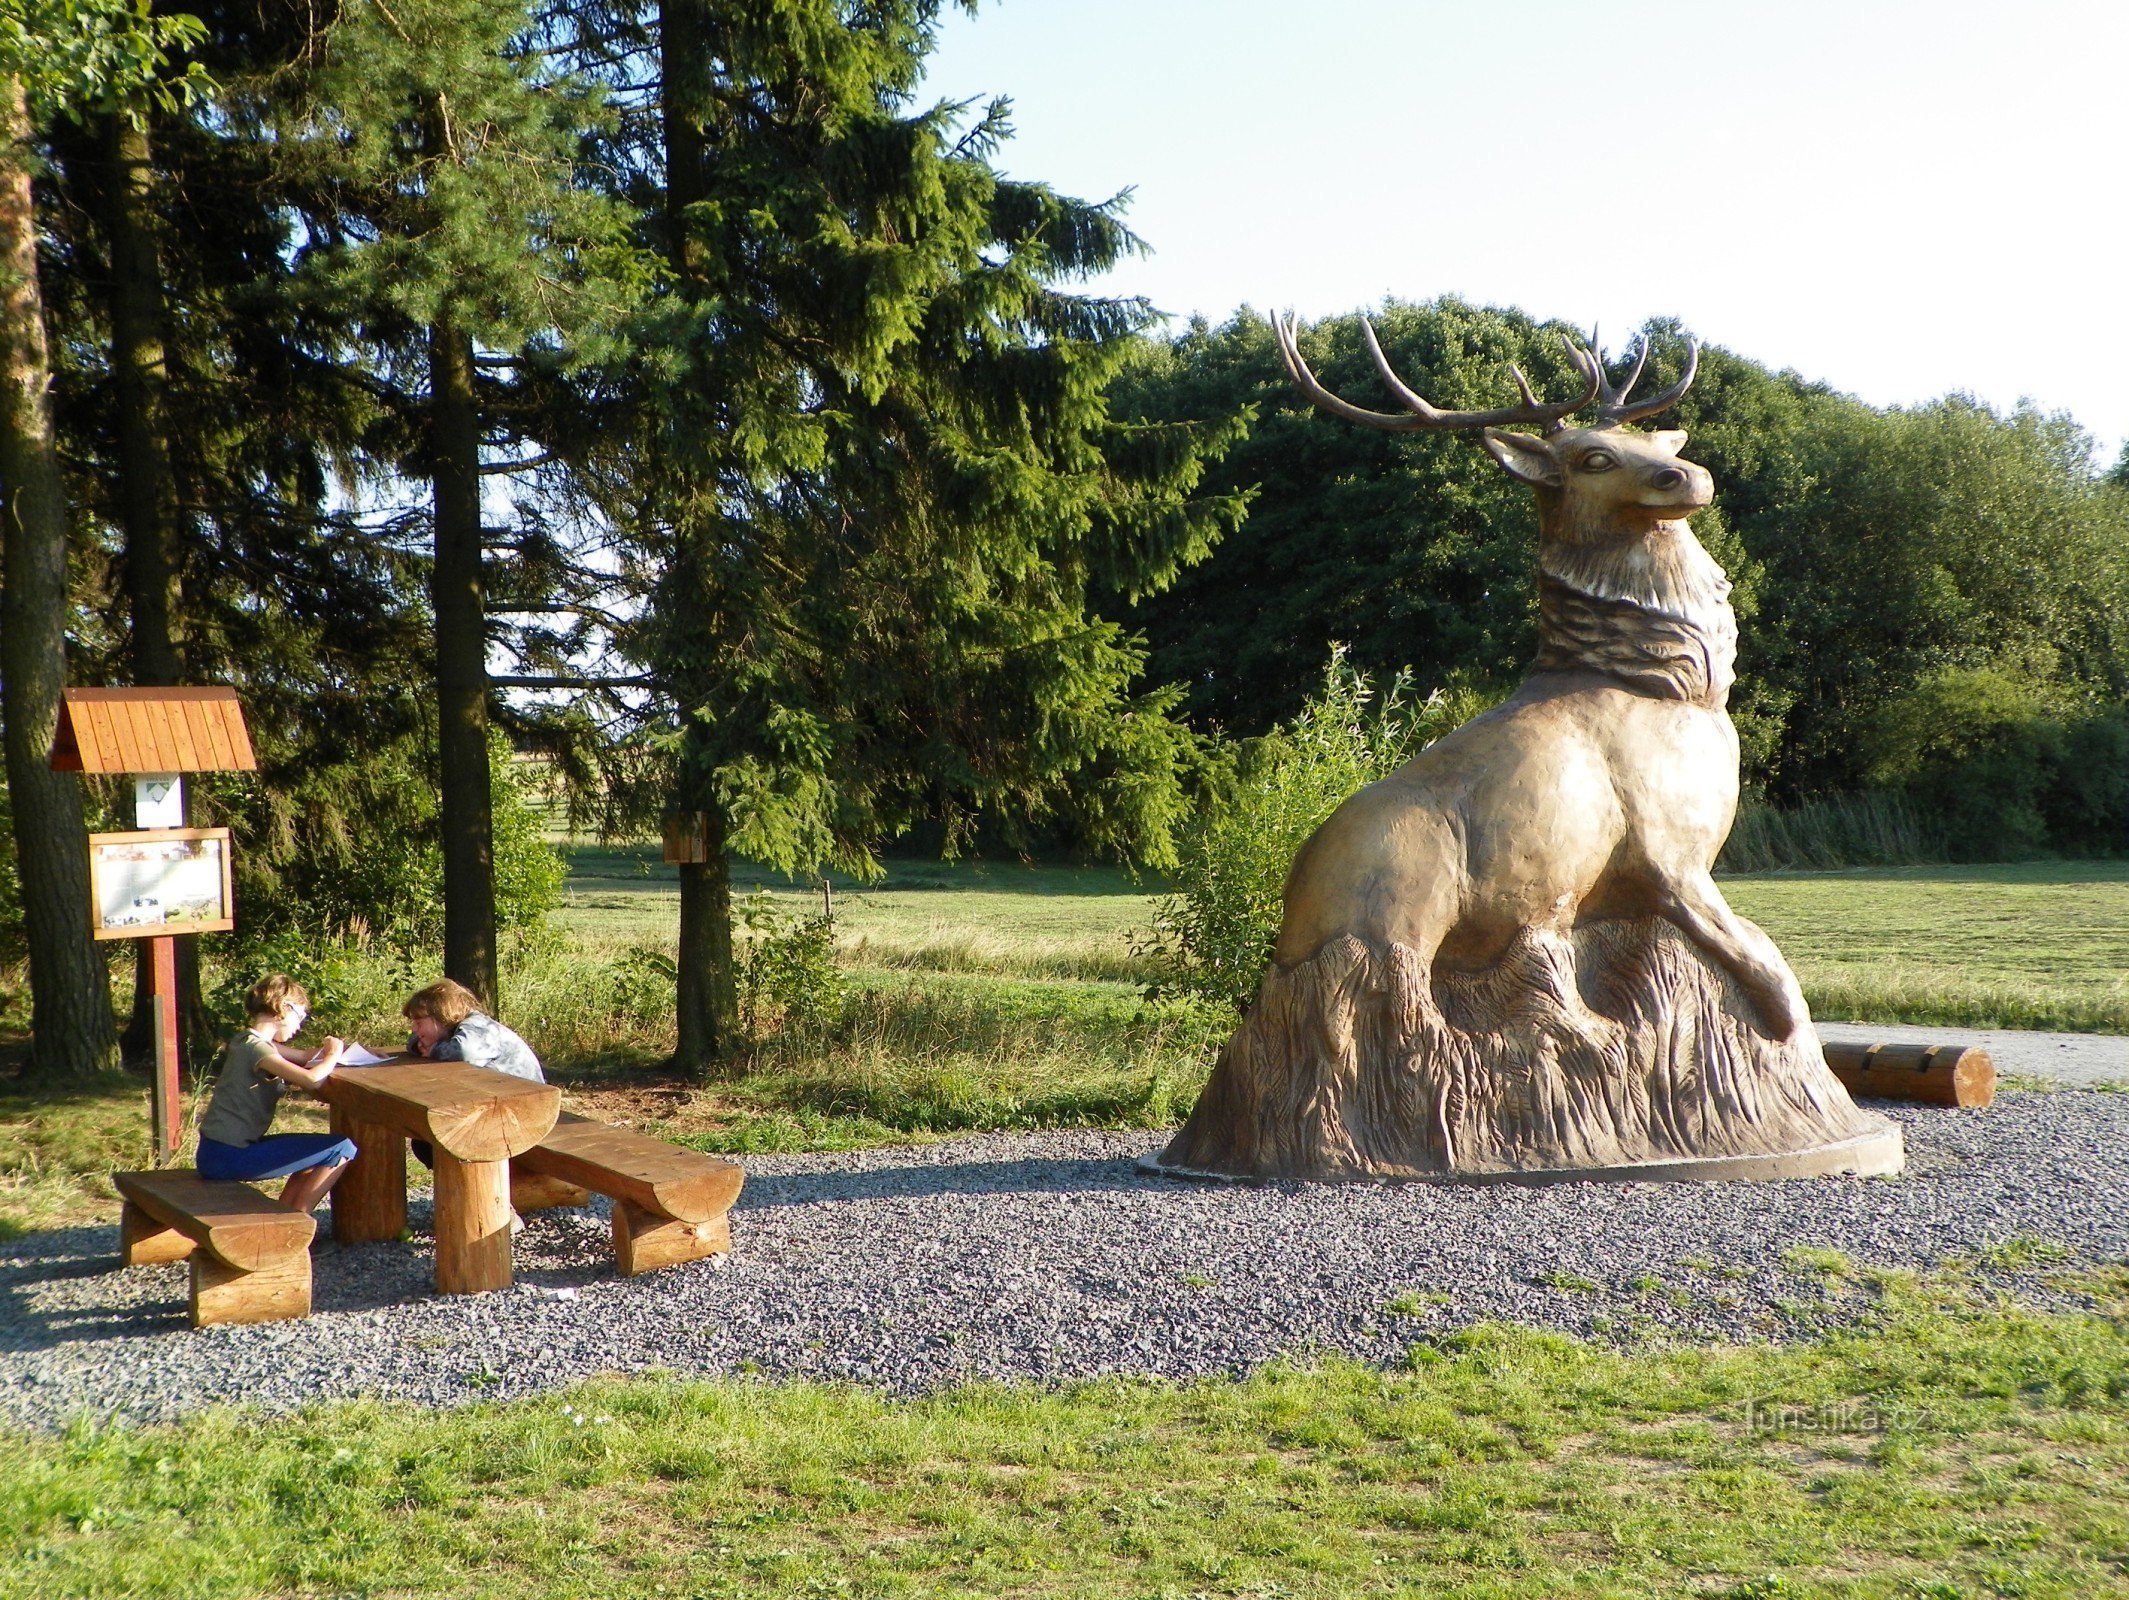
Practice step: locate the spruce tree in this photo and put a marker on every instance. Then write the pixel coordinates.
(454, 244)
(879, 483)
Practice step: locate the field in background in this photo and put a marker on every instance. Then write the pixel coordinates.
(996, 995)
(997, 918)
(2028, 945)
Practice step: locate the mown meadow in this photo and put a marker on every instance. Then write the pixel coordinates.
(981, 995)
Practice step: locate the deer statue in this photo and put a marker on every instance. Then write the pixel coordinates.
(1510, 958)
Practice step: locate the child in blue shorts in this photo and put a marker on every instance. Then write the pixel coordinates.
(257, 1067)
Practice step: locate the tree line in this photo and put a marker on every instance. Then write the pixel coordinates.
(665, 388)
(1933, 600)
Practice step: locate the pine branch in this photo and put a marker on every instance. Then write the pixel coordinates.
(572, 683)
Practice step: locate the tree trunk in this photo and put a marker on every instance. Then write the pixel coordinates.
(71, 1029)
(456, 595)
(685, 69)
(707, 995)
(708, 998)
(147, 491)
(147, 502)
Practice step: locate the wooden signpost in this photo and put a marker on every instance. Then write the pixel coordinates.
(164, 879)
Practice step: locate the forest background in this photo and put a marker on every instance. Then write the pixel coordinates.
(579, 414)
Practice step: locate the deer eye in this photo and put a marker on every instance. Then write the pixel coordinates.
(1598, 461)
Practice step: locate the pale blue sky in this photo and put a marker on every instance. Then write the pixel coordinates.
(1899, 199)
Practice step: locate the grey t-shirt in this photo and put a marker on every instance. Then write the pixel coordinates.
(245, 1095)
(481, 1041)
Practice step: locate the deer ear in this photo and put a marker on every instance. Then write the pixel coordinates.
(1524, 455)
(1669, 440)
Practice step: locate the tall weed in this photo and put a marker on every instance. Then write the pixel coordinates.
(1214, 935)
(1879, 828)
(788, 977)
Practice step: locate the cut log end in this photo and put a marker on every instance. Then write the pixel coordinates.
(499, 1128)
(1940, 1075)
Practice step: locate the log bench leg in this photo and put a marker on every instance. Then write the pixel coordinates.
(472, 1225)
(536, 1191)
(370, 1200)
(223, 1294)
(142, 1240)
(643, 1240)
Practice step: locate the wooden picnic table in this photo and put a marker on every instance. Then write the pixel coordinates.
(476, 1120)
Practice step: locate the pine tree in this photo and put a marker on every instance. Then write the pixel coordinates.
(455, 244)
(879, 483)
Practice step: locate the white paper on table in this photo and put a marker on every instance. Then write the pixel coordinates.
(356, 1055)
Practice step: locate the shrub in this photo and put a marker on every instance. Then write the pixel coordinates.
(788, 975)
(2006, 764)
(1214, 935)
(643, 983)
(1881, 828)
(358, 858)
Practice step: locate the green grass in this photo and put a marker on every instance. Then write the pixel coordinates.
(2026, 945)
(1958, 1445)
(991, 995)
(1993, 1441)
(2031, 945)
(1000, 918)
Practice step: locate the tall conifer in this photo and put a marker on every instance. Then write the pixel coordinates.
(55, 59)
(457, 236)
(880, 481)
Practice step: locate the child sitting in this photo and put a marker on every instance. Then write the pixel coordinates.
(449, 1025)
(256, 1068)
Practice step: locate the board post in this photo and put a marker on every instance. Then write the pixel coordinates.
(168, 1097)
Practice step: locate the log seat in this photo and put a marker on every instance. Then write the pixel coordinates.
(670, 1204)
(250, 1256)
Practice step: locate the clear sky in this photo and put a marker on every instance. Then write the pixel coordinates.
(1897, 197)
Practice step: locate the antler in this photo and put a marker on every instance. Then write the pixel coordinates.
(1612, 403)
(1423, 416)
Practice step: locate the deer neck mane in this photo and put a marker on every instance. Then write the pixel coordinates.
(1650, 609)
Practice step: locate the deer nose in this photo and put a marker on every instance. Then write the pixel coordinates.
(1668, 478)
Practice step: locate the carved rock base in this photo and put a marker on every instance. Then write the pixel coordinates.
(1615, 1052)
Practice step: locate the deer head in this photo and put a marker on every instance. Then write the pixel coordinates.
(1594, 483)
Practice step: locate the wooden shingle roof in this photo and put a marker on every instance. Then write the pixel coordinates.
(152, 730)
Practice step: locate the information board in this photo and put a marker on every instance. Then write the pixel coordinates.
(160, 881)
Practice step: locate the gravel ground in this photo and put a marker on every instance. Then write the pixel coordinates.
(1049, 1257)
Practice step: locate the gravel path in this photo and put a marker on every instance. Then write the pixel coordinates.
(1048, 1257)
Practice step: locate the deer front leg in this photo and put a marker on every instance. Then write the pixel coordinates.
(1748, 955)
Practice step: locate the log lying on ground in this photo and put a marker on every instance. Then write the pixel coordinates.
(1938, 1075)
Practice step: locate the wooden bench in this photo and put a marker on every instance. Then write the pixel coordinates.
(250, 1255)
(670, 1204)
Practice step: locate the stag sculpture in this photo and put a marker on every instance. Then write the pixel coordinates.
(1510, 958)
